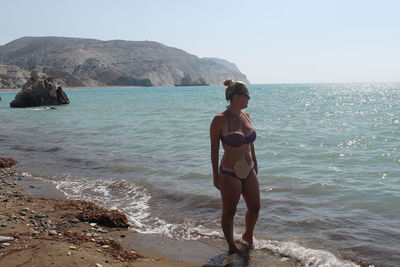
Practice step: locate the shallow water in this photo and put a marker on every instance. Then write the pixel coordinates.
(329, 162)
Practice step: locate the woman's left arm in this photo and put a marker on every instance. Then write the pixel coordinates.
(253, 156)
(252, 150)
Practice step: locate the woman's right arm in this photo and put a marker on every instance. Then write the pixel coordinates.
(214, 138)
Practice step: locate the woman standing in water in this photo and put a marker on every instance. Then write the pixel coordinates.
(237, 171)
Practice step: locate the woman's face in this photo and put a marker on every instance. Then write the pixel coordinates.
(242, 99)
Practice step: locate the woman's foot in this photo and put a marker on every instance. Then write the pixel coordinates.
(248, 239)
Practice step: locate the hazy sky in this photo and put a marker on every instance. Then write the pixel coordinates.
(281, 41)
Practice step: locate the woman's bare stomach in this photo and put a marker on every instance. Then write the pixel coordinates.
(233, 155)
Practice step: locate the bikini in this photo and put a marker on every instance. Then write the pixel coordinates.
(237, 139)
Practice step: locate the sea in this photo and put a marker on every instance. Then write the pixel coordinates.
(328, 156)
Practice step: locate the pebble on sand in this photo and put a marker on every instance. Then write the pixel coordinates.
(53, 232)
(5, 238)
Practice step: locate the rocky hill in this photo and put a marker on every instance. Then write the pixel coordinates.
(229, 65)
(89, 62)
(12, 76)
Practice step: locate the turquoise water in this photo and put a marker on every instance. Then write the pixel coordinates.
(328, 154)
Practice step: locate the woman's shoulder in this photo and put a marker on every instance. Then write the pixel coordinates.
(218, 118)
(246, 114)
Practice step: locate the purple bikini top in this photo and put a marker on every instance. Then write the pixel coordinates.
(236, 138)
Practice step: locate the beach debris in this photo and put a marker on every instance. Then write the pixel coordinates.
(73, 248)
(5, 238)
(7, 162)
(99, 265)
(69, 253)
(90, 212)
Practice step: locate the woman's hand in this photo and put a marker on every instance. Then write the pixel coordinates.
(217, 179)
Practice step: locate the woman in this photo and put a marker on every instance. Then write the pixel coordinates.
(237, 172)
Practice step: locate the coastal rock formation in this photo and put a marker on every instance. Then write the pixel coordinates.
(7, 162)
(90, 212)
(89, 62)
(39, 90)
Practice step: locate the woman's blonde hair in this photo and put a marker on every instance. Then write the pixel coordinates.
(233, 88)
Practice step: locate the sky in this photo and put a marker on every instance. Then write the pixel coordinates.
(280, 41)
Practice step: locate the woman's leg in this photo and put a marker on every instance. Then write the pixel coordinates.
(251, 195)
(230, 188)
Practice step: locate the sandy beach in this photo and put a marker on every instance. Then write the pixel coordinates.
(39, 227)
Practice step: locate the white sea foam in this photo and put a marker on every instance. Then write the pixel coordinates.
(307, 256)
(133, 200)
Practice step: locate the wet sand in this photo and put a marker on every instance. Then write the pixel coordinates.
(43, 230)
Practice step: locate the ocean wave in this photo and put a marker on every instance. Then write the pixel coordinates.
(306, 256)
(36, 149)
(133, 200)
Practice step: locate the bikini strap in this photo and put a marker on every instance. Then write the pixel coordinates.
(247, 118)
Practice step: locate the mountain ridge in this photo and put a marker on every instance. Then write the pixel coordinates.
(91, 62)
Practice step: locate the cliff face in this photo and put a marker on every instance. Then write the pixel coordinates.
(89, 62)
(12, 76)
(227, 64)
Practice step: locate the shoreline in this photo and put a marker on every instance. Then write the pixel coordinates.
(73, 88)
(9, 90)
(23, 202)
(45, 231)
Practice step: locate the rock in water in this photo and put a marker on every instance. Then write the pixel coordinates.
(39, 90)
